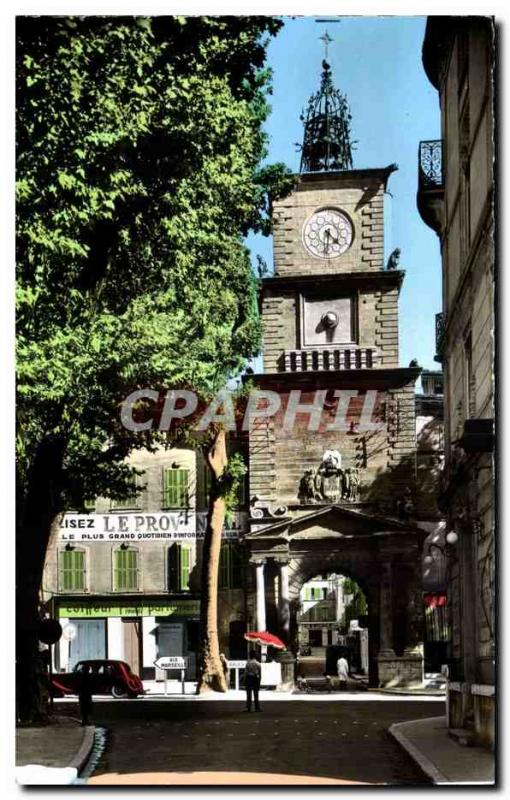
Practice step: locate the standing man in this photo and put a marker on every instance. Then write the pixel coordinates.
(226, 671)
(85, 689)
(342, 668)
(252, 678)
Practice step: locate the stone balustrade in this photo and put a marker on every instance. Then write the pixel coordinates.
(330, 358)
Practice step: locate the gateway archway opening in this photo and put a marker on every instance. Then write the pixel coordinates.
(332, 620)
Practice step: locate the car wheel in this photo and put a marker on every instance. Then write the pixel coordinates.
(119, 692)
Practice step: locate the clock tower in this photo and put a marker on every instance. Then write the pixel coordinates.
(338, 493)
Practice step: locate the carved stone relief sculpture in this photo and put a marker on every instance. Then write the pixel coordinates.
(330, 483)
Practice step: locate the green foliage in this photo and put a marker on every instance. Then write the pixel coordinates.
(139, 145)
(230, 482)
(356, 607)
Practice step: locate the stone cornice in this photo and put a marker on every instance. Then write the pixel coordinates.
(346, 176)
(390, 277)
(383, 378)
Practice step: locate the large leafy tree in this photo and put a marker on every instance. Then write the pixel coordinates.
(139, 143)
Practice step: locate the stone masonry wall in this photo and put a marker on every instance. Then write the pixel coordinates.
(387, 459)
(363, 205)
(377, 323)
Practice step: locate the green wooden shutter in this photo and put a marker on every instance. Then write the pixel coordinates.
(175, 488)
(119, 569)
(125, 569)
(132, 569)
(185, 564)
(73, 570)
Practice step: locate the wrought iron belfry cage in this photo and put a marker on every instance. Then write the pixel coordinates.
(326, 143)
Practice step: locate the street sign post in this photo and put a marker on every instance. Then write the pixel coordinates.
(236, 666)
(69, 632)
(169, 663)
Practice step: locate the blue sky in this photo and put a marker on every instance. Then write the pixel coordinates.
(376, 62)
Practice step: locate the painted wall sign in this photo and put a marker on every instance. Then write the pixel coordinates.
(141, 527)
(185, 608)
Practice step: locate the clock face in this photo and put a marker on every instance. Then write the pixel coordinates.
(328, 233)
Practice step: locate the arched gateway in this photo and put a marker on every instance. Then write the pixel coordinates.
(382, 555)
(333, 477)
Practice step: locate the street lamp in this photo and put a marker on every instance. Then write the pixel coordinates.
(445, 550)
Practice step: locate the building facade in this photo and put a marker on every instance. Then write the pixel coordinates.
(337, 489)
(126, 584)
(323, 601)
(339, 474)
(456, 199)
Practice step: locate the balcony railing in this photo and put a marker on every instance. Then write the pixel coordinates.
(430, 197)
(440, 333)
(329, 359)
(430, 159)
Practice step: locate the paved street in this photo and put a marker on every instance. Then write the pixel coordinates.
(148, 740)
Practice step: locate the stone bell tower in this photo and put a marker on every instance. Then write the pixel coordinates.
(329, 242)
(337, 495)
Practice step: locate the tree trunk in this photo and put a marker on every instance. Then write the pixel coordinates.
(210, 670)
(36, 512)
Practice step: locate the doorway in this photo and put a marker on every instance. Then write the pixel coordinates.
(132, 635)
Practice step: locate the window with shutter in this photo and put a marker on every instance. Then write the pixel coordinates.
(224, 572)
(236, 567)
(205, 487)
(230, 572)
(133, 501)
(175, 488)
(125, 570)
(179, 568)
(173, 568)
(72, 570)
(185, 567)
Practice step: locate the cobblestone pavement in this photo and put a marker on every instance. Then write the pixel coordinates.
(341, 740)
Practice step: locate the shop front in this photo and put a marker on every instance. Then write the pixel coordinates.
(138, 633)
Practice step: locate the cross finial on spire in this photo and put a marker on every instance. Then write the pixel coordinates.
(327, 40)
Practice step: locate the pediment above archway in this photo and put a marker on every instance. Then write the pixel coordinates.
(333, 522)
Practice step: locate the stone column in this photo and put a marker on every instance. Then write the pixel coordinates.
(386, 612)
(261, 595)
(414, 621)
(283, 600)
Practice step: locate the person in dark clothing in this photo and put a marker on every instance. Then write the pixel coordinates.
(252, 678)
(226, 670)
(85, 691)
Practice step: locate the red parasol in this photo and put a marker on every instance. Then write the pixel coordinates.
(434, 600)
(265, 638)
